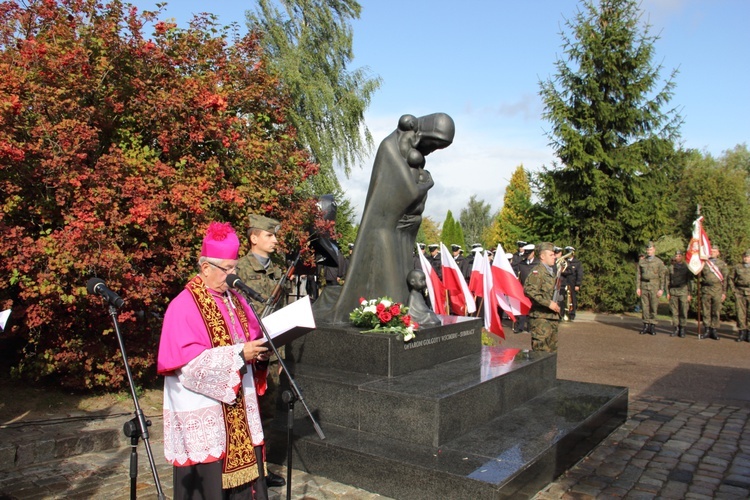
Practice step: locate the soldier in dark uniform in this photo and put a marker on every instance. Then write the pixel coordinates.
(519, 256)
(417, 263)
(649, 286)
(740, 284)
(476, 247)
(679, 284)
(539, 287)
(572, 281)
(524, 269)
(714, 278)
(461, 261)
(434, 259)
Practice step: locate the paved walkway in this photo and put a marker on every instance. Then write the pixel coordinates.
(680, 440)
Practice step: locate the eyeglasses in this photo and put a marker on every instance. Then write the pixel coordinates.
(222, 269)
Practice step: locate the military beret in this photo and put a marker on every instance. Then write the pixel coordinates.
(569, 249)
(521, 243)
(455, 247)
(747, 253)
(528, 247)
(264, 223)
(545, 246)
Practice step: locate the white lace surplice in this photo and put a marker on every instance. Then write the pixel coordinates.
(193, 419)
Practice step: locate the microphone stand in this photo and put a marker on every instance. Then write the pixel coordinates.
(289, 397)
(138, 425)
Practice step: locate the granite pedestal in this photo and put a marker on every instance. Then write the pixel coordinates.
(442, 417)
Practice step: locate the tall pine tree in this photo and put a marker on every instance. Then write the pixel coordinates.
(613, 185)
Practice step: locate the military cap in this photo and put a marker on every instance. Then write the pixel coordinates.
(557, 249)
(476, 248)
(520, 243)
(508, 256)
(545, 246)
(264, 223)
(569, 249)
(476, 245)
(747, 253)
(351, 245)
(528, 247)
(678, 252)
(433, 246)
(421, 245)
(455, 247)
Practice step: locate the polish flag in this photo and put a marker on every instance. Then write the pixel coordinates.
(435, 287)
(478, 270)
(699, 248)
(492, 321)
(508, 288)
(461, 300)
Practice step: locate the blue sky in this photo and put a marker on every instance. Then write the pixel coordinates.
(481, 61)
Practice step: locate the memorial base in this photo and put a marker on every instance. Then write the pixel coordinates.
(479, 422)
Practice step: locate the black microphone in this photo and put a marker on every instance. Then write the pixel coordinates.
(97, 286)
(234, 281)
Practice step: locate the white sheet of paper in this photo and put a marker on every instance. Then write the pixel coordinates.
(290, 322)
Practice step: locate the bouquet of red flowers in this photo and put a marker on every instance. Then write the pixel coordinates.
(384, 315)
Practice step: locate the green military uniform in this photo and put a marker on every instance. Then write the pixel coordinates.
(740, 283)
(679, 281)
(650, 281)
(713, 287)
(539, 287)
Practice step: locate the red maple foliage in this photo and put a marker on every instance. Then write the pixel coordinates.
(116, 151)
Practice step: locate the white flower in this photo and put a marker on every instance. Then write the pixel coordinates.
(386, 302)
(364, 301)
(369, 309)
(408, 336)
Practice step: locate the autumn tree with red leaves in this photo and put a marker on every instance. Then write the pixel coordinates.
(116, 151)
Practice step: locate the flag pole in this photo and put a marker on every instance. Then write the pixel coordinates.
(698, 287)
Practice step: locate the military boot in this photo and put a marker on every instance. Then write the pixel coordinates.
(742, 335)
(681, 332)
(712, 334)
(675, 331)
(644, 330)
(652, 329)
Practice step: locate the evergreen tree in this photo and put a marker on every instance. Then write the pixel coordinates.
(614, 184)
(475, 219)
(451, 233)
(309, 46)
(513, 221)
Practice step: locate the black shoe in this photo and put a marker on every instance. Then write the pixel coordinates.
(675, 330)
(712, 334)
(644, 330)
(681, 332)
(652, 329)
(742, 335)
(274, 480)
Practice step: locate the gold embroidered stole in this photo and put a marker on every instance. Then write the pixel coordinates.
(240, 465)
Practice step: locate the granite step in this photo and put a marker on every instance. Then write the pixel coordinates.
(513, 455)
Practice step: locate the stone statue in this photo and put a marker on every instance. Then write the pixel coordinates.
(390, 220)
(418, 309)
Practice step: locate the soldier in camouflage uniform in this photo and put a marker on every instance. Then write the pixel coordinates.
(649, 286)
(679, 282)
(256, 269)
(539, 287)
(714, 278)
(258, 272)
(740, 284)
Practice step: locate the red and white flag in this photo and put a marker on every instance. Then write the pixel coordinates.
(479, 267)
(435, 287)
(461, 299)
(508, 288)
(492, 321)
(699, 248)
